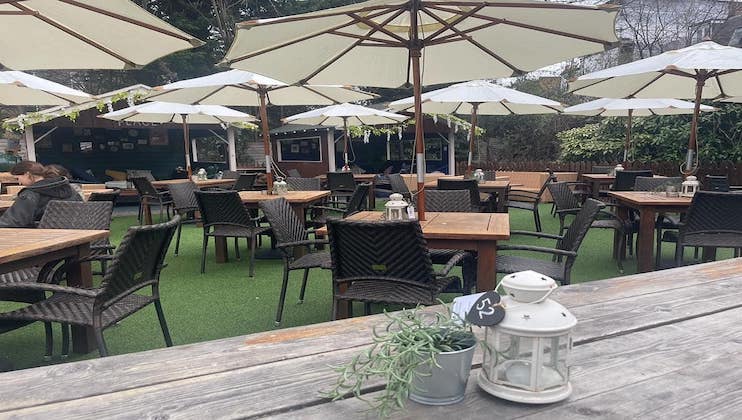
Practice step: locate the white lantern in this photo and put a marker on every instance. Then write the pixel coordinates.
(396, 208)
(202, 176)
(618, 168)
(280, 187)
(690, 186)
(478, 175)
(526, 355)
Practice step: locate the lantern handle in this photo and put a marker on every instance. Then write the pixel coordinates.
(539, 300)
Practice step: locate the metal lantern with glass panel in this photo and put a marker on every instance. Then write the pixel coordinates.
(396, 208)
(526, 355)
(280, 187)
(690, 186)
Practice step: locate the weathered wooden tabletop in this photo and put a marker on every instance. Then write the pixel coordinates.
(202, 183)
(293, 197)
(657, 345)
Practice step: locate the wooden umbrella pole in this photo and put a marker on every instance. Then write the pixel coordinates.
(187, 144)
(346, 167)
(415, 50)
(472, 135)
(266, 141)
(690, 158)
(628, 138)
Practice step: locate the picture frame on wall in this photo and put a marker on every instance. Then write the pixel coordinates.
(127, 146)
(158, 140)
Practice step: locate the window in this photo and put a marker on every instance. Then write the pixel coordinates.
(304, 149)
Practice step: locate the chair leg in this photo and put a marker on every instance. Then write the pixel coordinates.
(621, 246)
(282, 298)
(237, 249)
(102, 349)
(177, 239)
(658, 249)
(203, 254)
(163, 323)
(139, 214)
(537, 218)
(367, 308)
(253, 241)
(679, 248)
(49, 341)
(303, 285)
(65, 341)
(161, 212)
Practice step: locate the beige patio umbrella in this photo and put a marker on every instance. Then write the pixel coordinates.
(479, 97)
(704, 70)
(612, 107)
(243, 88)
(343, 115)
(167, 112)
(18, 88)
(84, 34)
(393, 43)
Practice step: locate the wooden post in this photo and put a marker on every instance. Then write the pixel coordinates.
(231, 148)
(186, 141)
(451, 152)
(266, 141)
(472, 135)
(30, 145)
(628, 138)
(690, 158)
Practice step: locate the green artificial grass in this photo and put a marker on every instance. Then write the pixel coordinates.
(225, 302)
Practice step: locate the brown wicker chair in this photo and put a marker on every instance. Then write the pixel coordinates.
(290, 235)
(148, 194)
(245, 182)
(303, 184)
(111, 196)
(384, 262)
(448, 201)
(135, 265)
(356, 203)
(479, 202)
(224, 215)
(341, 186)
(565, 251)
(399, 186)
(529, 200)
(184, 204)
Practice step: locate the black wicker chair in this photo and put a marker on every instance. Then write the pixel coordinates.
(399, 186)
(303, 184)
(448, 201)
(384, 262)
(567, 204)
(184, 204)
(719, 183)
(111, 196)
(490, 175)
(148, 194)
(291, 236)
(529, 200)
(356, 203)
(479, 202)
(713, 220)
(341, 186)
(230, 174)
(225, 216)
(245, 182)
(565, 251)
(139, 173)
(625, 180)
(135, 265)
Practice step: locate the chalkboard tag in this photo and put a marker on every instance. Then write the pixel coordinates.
(487, 310)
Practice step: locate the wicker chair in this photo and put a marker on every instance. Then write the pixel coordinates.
(490, 175)
(341, 186)
(529, 200)
(720, 183)
(601, 169)
(185, 205)
(230, 174)
(567, 204)
(135, 265)
(225, 216)
(293, 173)
(111, 196)
(384, 262)
(245, 182)
(479, 202)
(448, 201)
(148, 194)
(355, 204)
(399, 186)
(290, 235)
(712, 221)
(139, 173)
(626, 179)
(304, 184)
(664, 221)
(565, 251)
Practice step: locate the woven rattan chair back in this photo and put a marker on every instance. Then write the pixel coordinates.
(644, 183)
(578, 229)
(713, 212)
(601, 169)
(139, 173)
(111, 196)
(137, 261)
(563, 197)
(398, 185)
(358, 200)
(184, 196)
(144, 187)
(490, 175)
(77, 215)
(245, 182)
(341, 181)
(384, 248)
(304, 184)
(625, 179)
(448, 201)
(718, 183)
(287, 226)
(462, 184)
(222, 208)
(230, 174)
(293, 173)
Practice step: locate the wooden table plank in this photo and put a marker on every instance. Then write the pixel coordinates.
(163, 183)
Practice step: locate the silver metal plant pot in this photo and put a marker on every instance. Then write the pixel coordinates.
(446, 384)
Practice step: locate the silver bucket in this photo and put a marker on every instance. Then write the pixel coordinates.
(433, 385)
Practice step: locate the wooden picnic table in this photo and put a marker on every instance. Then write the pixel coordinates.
(654, 345)
(648, 205)
(370, 178)
(467, 231)
(299, 201)
(23, 248)
(501, 187)
(598, 182)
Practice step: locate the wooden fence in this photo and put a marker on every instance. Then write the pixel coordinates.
(731, 169)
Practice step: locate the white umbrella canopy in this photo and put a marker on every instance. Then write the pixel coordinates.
(243, 88)
(84, 34)
(344, 115)
(479, 97)
(704, 70)
(616, 107)
(167, 112)
(385, 43)
(18, 88)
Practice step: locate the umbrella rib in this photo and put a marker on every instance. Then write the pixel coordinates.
(75, 35)
(320, 94)
(590, 85)
(381, 9)
(378, 27)
(721, 88)
(447, 25)
(193, 41)
(645, 85)
(506, 107)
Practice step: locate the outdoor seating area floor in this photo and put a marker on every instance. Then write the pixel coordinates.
(225, 302)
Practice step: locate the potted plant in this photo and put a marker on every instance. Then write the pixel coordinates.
(421, 355)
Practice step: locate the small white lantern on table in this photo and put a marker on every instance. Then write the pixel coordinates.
(396, 208)
(690, 186)
(526, 355)
(280, 187)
